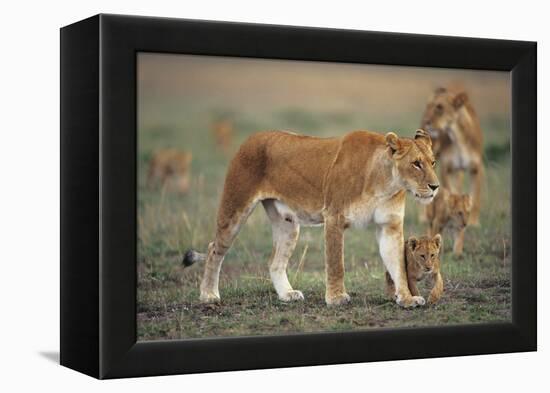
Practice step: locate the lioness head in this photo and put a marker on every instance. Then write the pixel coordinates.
(414, 164)
(424, 252)
(441, 116)
(459, 208)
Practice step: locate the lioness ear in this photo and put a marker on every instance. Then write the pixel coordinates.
(437, 240)
(413, 243)
(392, 141)
(424, 136)
(460, 99)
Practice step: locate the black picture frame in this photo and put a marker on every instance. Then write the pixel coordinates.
(98, 195)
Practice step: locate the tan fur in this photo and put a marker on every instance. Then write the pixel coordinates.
(303, 180)
(421, 260)
(454, 127)
(222, 130)
(170, 168)
(450, 211)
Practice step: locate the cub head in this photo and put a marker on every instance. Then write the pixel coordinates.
(441, 116)
(414, 164)
(424, 252)
(459, 207)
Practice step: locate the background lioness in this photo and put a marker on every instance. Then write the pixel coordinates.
(421, 260)
(453, 124)
(338, 182)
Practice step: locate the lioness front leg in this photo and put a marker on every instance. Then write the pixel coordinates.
(390, 287)
(335, 294)
(391, 246)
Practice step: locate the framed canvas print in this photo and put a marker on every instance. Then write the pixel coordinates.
(239, 196)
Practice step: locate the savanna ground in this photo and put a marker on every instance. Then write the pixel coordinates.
(477, 286)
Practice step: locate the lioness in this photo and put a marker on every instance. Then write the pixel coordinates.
(171, 168)
(450, 211)
(421, 261)
(453, 125)
(303, 180)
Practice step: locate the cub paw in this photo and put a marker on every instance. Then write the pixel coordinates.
(292, 295)
(338, 300)
(409, 302)
(433, 299)
(209, 297)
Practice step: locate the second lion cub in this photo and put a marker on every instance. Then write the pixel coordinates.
(421, 260)
(452, 212)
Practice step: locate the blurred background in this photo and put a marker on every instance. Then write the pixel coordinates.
(207, 106)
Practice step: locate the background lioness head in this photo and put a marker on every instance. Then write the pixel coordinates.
(442, 114)
(414, 164)
(424, 252)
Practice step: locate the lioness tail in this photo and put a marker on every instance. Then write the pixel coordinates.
(191, 257)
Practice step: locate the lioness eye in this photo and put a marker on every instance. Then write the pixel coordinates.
(417, 164)
(433, 164)
(433, 255)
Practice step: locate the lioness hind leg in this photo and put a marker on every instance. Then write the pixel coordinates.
(227, 229)
(285, 230)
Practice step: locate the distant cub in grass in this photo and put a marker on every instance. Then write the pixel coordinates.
(421, 260)
(170, 168)
(223, 131)
(452, 212)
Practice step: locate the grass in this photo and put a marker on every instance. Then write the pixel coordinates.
(477, 286)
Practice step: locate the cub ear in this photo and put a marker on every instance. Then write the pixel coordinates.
(423, 136)
(467, 202)
(440, 90)
(393, 142)
(460, 99)
(437, 240)
(413, 243)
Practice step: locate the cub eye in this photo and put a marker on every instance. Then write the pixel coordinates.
(433, 255)
(417, 164)
(439, 108)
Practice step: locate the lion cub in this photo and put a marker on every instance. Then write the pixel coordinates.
(171, 168)
(452, 212)
(222, 130)
(421, 260)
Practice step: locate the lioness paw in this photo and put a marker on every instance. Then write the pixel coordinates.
(338, 300)
(209, 297)
(292, 295)
(419, 300)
